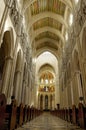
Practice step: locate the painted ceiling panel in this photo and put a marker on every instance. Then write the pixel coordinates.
(48, 44)
(55, 6)
(47, 22)
(47, 35)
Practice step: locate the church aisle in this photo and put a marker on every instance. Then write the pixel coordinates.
(48, 122)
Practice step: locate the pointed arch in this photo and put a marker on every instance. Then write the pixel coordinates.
(50, 29)
(43, 15)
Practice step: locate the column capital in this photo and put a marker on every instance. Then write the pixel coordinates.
(84, 61)
(18, 71)
(8, 58)
(77, 72)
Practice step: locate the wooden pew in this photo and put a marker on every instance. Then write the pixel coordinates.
(30, 116)
(85, 115)
(19, 120)
(2, 110)
(35, 112)
(75, 117)
(63, 114)
(81, 115)
(25, 114)
(10, 119)
(28, 113)
(31, 113)
(66, 114)
(70, 115)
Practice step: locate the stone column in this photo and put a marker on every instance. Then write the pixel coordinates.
(18, 37)
(3, 20)
(23, 93)
(26, 95)
(53, 103)
(84, 65)
(43, 101)
(72, 95)
(29, 87)
(31, 100)
(26, 87)
(17, 83)
(6, 75)
(21, 84)
(48, 101)
(38, 102)
(84, 77)
(79, 84)
(66, 94)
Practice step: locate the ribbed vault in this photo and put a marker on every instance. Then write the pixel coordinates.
(47, 22)
(48, 18)
(28, 3)
(47, 67)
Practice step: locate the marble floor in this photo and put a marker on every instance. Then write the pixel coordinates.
(48, 122)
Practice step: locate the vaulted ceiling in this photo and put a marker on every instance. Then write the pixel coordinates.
(47, 67)
(47, 22)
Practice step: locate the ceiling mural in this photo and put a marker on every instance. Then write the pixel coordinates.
(47, 22)
(47, 34)
(55, 6)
